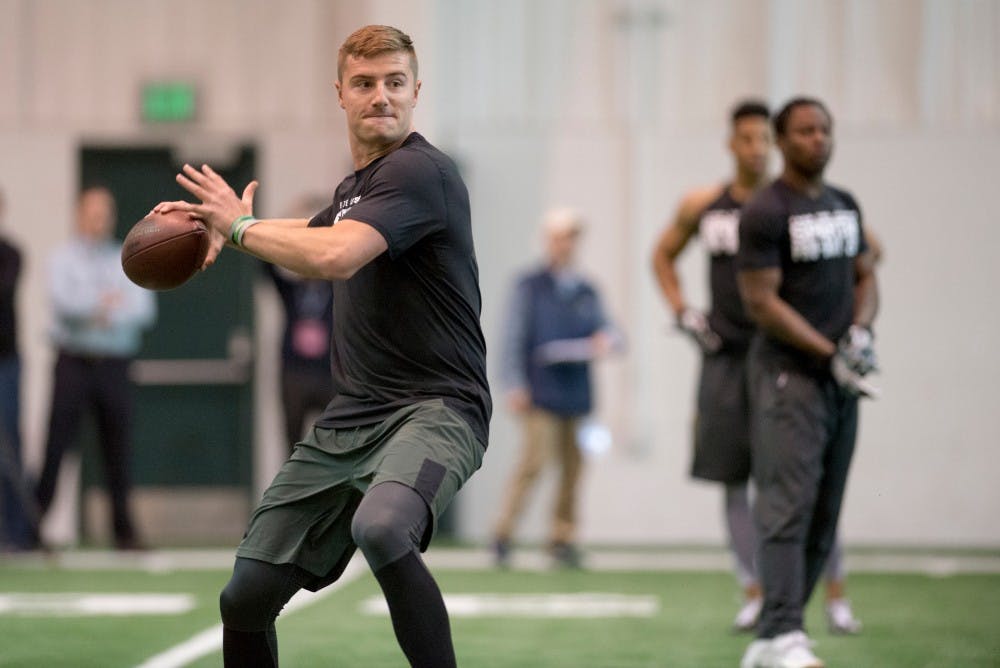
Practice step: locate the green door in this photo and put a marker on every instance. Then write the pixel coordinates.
(193, 430)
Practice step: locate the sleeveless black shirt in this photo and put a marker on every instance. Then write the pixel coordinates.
(718, 231)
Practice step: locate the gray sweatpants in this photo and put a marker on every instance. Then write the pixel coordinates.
(802, 439)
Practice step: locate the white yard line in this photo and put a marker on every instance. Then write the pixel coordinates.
(88, 604)
(706, 559)
(564, 605)
(210, 640)
(195, 647)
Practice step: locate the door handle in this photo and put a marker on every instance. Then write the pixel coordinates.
(235, 369)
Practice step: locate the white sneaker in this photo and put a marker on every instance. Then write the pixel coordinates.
(793, 650)
(840, 618)
(748, 615)
(758, 654)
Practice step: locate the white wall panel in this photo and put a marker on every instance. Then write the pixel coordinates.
(617, 107)
(12, 66)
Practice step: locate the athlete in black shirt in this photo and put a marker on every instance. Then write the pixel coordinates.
(807, 280)
(408, 420)
(722, 429)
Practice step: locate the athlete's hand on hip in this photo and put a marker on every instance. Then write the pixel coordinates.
(695, 324)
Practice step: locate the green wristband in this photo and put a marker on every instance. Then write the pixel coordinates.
(243, 227)
(236, 228)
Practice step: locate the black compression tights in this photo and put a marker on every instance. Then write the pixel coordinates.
(249, 604)
(388, 527)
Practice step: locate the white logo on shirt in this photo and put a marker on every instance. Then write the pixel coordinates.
(824, 235)
(720, 231)
(345, 206)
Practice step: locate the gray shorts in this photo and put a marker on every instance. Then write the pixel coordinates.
(722, 424)
(305, 515)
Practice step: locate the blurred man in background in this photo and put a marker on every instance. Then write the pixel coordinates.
(16, 502)
(807, 279)
(555, 327)
(721, 431)
(305, 340)
(722, 424)
(98, 317)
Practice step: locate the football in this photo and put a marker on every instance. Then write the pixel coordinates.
(162, 251)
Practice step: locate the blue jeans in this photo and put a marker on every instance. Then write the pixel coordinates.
(15, 498)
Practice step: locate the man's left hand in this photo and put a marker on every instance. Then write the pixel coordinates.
(219, 206)
(850, 380)
(857, 349)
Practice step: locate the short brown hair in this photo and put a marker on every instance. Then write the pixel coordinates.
(375, 40)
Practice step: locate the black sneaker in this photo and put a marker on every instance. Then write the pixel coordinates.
(566, 555)
(501, 553)
(130, 545)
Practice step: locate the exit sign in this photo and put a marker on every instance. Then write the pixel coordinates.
(167, 102)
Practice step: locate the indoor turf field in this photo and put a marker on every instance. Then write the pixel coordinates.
(638, 609)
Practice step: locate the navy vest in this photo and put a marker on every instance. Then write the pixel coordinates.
(560, 313)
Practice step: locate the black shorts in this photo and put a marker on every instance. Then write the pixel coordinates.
(722, 423)
(306, 513)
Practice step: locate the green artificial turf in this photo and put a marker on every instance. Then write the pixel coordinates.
(910, 621)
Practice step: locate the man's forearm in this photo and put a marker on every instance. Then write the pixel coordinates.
(784, 323)
(865, 300)
(669, 283)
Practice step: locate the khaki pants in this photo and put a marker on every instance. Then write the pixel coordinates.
(547, 437)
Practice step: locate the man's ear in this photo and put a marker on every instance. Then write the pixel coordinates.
(416, 92)
(340, 94)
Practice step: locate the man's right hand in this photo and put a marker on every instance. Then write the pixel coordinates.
(695, 324)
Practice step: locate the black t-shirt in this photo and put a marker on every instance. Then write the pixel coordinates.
(814, 242)
(718, 231)
(406, 325)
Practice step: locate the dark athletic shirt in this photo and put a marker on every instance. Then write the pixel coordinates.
(719, 233)
(406, 325)
(814, 242)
